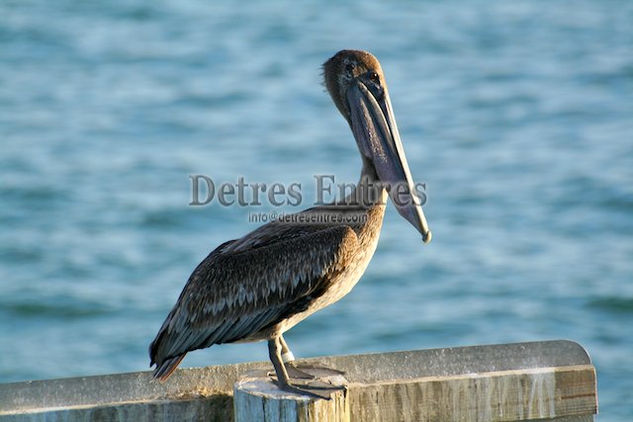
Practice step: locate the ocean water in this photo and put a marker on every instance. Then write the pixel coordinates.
(517, 115)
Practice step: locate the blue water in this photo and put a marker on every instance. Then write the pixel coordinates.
(518, 116)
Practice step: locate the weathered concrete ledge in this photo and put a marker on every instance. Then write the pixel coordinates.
(552, 380)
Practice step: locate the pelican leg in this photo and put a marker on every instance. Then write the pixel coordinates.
(289, 361)
(286, 354)
(293, 368)
(283, 381)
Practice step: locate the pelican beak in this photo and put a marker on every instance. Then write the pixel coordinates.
(376, 132)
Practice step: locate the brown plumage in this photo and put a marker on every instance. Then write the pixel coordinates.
(259, 286)
(246, 288)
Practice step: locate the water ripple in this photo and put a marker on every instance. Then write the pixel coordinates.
(517, 115)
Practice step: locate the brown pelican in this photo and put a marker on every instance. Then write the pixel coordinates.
(259, 286)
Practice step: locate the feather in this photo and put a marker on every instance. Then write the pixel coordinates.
(248, 284)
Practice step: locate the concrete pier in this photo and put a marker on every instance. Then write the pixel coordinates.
(545, 381)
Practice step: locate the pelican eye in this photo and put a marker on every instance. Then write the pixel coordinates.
(373, 76)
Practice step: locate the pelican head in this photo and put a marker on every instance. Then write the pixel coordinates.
(357, 86)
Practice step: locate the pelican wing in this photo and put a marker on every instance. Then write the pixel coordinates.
(243, 287)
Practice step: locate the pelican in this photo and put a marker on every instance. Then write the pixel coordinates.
(259, 286)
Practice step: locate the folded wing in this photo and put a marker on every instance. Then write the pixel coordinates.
(243, 287)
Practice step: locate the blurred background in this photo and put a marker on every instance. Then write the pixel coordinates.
(518, 116)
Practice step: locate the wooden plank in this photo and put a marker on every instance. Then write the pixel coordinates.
(257, 398)
(513, 395)
(420, 379)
